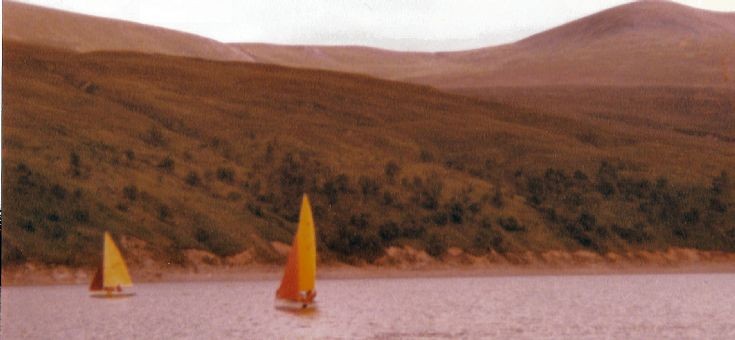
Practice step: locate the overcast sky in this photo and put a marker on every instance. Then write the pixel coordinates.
(425, 25)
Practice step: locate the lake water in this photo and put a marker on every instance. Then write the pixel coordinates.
(696, 306)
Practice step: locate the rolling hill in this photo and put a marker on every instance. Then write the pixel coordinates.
(177, 154)
(647, 43)
(83, 33)
(610, 134)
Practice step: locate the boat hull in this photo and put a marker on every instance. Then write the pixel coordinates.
(115, 295)
(289, 305)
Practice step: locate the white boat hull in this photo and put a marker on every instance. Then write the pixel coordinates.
(289, 305)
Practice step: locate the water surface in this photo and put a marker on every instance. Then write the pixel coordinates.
(695, 306)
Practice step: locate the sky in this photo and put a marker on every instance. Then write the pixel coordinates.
(419, 25)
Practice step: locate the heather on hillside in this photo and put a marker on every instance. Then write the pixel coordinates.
(193, 154)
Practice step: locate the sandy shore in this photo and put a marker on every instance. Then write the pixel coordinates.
(401, 263)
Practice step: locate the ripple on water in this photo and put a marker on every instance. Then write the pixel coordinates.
(615, 306)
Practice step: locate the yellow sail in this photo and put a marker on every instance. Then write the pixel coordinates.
(300, 274)
(307, 248)
(114, 271)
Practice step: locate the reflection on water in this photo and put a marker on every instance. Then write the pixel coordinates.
(621, 306)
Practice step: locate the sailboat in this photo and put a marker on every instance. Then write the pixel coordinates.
(297, 287)
(112, 275)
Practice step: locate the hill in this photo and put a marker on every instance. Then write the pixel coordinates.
(83, 33)
(647, 43)
(178, 154)
(376, 62)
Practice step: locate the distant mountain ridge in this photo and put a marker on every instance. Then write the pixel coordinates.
(645, 17)
(83, 33)
(648, 43)
(641, 43)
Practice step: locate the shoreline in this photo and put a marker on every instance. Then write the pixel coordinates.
(30, 274)
(358, 273)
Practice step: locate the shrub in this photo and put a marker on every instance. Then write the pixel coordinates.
(716, 205)
(192, 178)
(294, 179)
(154, 137)
(426, 156)
(435, 245)
(130, 155)
(428, 192)
(55, 232)
(216, 241)
(234, 196)
(23, 168)
(579, 235)
(334, 187)
(587, 221)
(606, 188)
(12, 253)
(535, 187)
(388, 231)
(28, 226)
(497, 198)
(680, 232)
(164, 212)
(75, 163)
(53, 217)
(391, 171)
(485, 223)
(369, 186)
(226, 174)
(350, 243)
(485, 240)
(691, 216)
(130, 192)
(456, 212)
(411, 229)
(167, 164)
(721, 183)
(361, 220)
(58, 191)
(579, 175)
(81, 215)
(255, 210)
(510, 224)
(388, 198)
(440, 218)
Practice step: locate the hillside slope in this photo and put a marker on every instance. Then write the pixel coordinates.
(647, 43)
(651, 43)
(83, 33)
(180, 154)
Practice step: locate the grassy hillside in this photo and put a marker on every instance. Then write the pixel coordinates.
(194, 154)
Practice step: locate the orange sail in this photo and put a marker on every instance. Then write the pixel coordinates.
(299, 279)
(97, 280)
(113, 273)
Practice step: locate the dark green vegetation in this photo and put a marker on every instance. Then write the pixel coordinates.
(194, 154)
